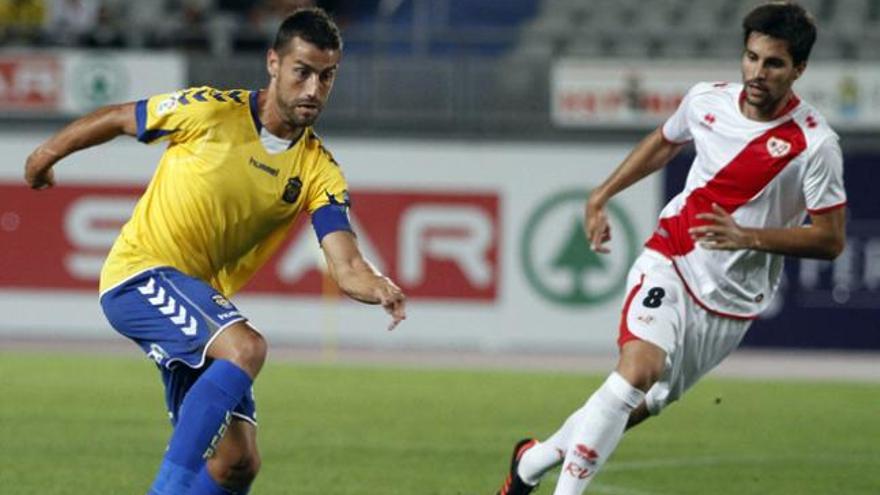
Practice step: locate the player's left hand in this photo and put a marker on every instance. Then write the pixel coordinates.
(722, 233)
(596, 226)
(394, 301)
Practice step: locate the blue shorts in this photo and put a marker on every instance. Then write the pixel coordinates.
(173, 317)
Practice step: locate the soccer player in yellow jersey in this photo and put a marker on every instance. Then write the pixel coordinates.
(239, 167)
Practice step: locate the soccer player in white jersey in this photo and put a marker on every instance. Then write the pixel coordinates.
(765, 161)
(239, 168)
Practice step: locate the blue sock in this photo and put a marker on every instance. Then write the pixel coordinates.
(203, 418)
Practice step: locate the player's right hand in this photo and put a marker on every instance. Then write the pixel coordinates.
(38, 169)
(596, 226)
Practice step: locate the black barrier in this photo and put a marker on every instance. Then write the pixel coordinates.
(823, 304)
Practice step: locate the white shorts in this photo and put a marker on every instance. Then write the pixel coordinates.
(659, 310)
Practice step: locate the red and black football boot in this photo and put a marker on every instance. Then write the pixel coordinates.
(513, 484)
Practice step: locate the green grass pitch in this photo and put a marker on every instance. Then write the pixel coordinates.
(96, 424)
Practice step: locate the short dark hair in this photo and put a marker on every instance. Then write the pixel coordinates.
(786, 21)
(312, 24)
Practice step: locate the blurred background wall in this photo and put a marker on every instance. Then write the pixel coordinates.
(470, 132)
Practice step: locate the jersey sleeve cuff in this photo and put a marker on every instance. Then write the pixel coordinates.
(668, 140)
(145, 135)
(140, 115)
(825, 209)
(330, 218)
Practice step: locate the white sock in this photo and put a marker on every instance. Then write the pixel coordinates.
(596, 434)
(536, 461)
(546, 455)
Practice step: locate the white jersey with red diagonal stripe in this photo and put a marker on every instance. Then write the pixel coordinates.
(765, 174)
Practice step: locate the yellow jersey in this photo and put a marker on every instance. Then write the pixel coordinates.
(219, 204)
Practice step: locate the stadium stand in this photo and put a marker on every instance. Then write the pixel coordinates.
(684, 28)
(528, 28)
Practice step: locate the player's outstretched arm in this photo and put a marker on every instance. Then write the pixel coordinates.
(649, 156)
(359, 279)
(824, 238)
(95, 128)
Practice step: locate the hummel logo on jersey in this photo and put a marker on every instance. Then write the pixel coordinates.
(778, 147)
(811, 122)
(265, 168)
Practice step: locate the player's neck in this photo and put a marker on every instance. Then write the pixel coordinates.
(271, 119)
(768, 113)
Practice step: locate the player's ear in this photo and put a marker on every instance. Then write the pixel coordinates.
(273, 61)
(799, 69)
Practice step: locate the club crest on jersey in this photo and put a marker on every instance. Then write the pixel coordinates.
(778, 147)
(292, 190)
(221, 301)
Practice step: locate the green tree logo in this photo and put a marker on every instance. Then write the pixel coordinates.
(98, 82)
(558, 261)
(577, 260)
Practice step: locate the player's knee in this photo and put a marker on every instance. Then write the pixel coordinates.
(253, 349)
(238, 472)
(245, 470)
(640, 373)
(248, 350)
(641, 364)
(638, 415)
(640, 376)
